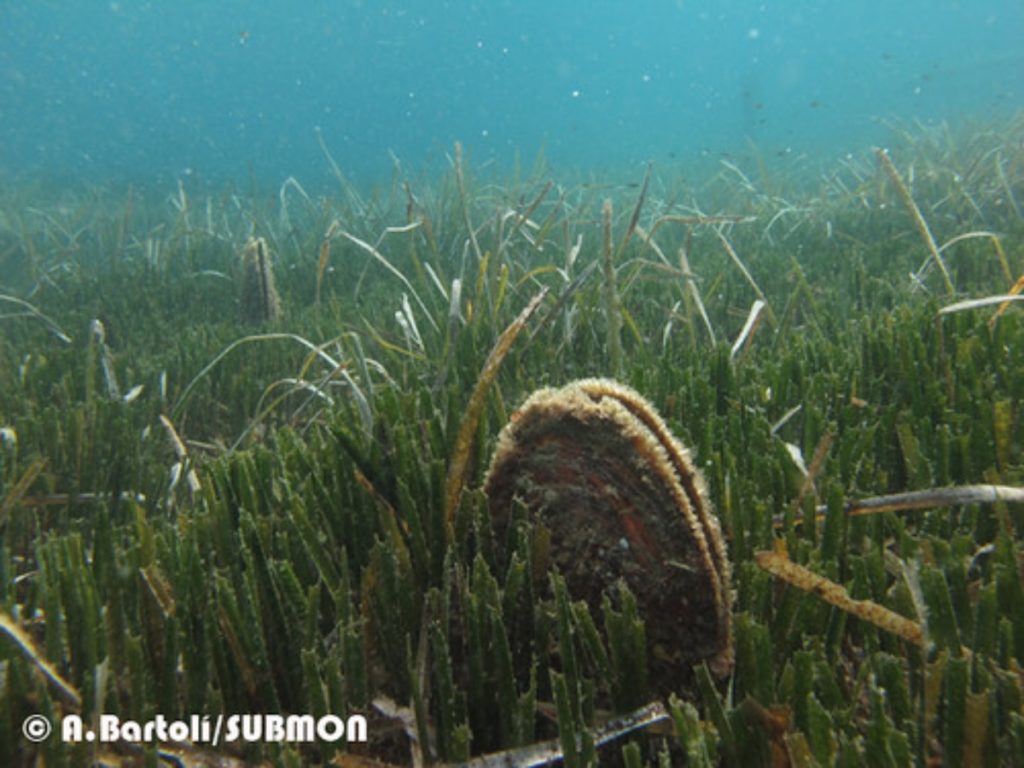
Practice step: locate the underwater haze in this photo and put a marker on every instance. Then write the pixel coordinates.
(239, 90)
(601, 383)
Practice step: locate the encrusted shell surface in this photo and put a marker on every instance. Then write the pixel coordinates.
(596, 465)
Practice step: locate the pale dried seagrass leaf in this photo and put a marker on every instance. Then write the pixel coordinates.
(779, 565)
(597, 467)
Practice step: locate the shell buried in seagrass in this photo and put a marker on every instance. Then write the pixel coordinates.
(596, 465)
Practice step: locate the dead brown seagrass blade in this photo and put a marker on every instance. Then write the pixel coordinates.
(598, 468)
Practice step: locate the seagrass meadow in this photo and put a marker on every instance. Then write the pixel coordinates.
(274, 501)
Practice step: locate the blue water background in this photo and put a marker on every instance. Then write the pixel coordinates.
(236, 90)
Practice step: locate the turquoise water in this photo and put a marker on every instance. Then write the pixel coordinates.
(236, 90)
